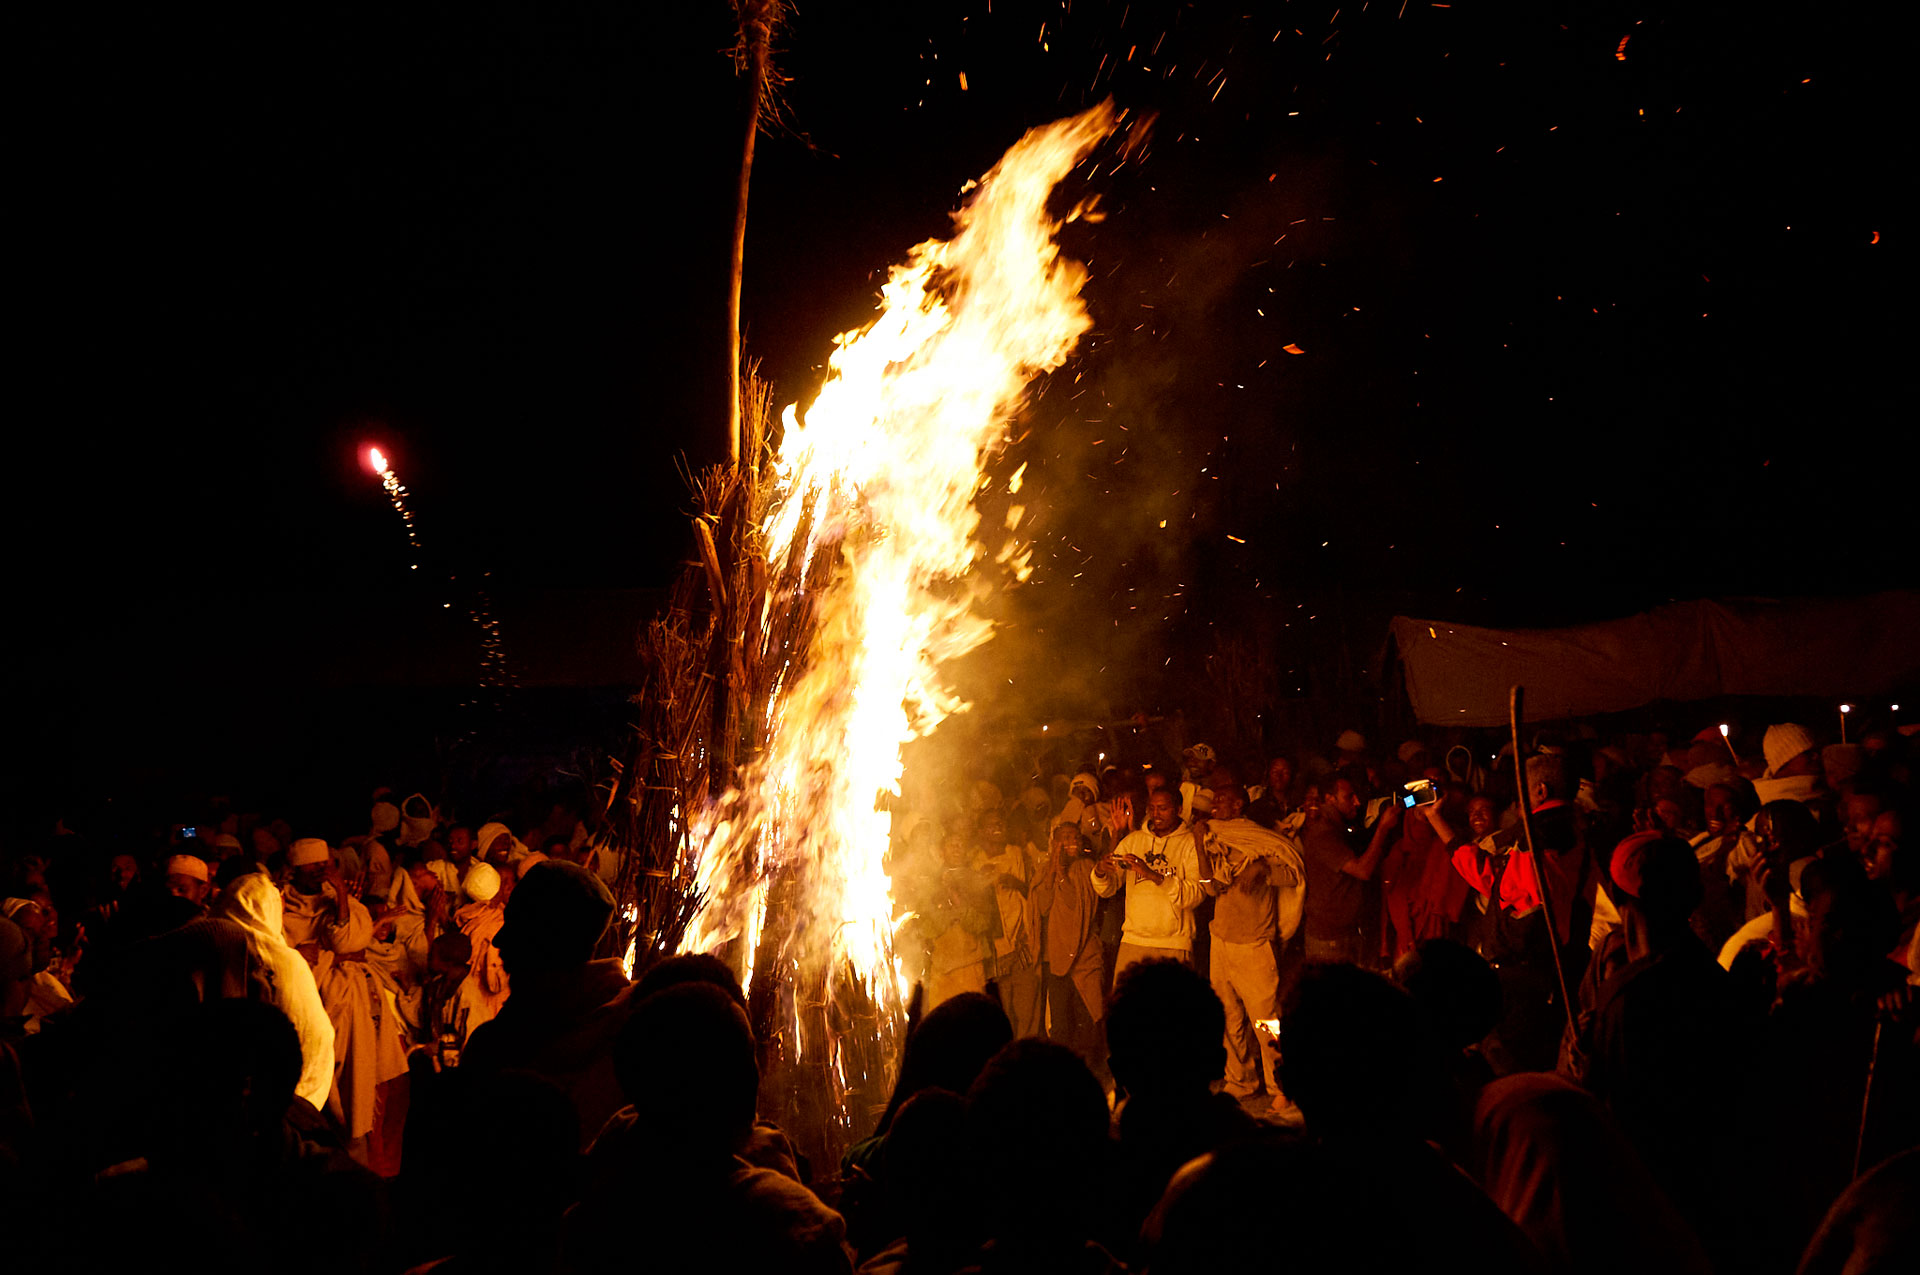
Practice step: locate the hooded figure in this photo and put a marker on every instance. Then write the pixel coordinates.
(279, 976)
(416, 820)
(1084, 809)
(489, 833)
(1464, 770)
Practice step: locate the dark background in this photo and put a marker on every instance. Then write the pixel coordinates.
(1581, 333)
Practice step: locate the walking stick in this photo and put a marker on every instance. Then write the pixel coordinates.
(1866, 1099)
(1515, 698)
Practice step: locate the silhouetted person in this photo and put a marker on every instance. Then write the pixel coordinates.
(925, 1189)
(1352, 1061)
(227, 1184)
(946, 1050)
(523, 1128)
(685, 1058)
(1165, 1041)
(1874, 1226)
(1037, 1127)
(1554, 1161)
(1456, 999)
(566, 1007)
(1665, 1037)
(1820, 1042)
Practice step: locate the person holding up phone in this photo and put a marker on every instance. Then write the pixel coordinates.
(1160, 867)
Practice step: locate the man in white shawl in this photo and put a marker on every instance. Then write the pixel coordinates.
(484, 990)
(278, 976)
(332, 929)
(1259, 883)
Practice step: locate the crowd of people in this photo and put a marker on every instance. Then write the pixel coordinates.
(1629, 1003)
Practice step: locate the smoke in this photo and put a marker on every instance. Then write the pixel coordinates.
(1148, 449)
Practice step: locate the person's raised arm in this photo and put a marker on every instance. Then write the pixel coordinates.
(1364, 866)
(1106, 877)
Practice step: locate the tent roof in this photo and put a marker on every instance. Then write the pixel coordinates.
(1458, 674)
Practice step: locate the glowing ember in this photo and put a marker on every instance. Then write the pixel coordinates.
(880, 474)
(397, 494)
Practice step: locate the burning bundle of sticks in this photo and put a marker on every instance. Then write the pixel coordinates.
(840, 571)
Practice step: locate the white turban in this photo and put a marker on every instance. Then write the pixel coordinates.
(1350, 741)
(308, 850)
(186, 865)
(482, 882)
(1783, 743)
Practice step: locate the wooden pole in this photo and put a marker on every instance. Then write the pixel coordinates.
(1515, 703)
(752, 53)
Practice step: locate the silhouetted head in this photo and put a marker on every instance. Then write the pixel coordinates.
(1350, 1041)
(1208, 1220)
(1658, 876)
(1037, 1120)
(1456, 994)
(949, 1048)
(230, 1079)
(923, 1176)
(694, 967)
(684, 1058)
(554, 917)
(1165, 1029)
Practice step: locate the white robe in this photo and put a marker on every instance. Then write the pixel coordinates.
(278, 976)
(369, 1045)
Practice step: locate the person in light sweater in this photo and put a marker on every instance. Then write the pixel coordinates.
(1160, 866)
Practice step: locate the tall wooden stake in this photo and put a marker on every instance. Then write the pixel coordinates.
(1516, 700)
(752, 58)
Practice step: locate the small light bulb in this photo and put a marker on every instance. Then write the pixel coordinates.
(1723, 730)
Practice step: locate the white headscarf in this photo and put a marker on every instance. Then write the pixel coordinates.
(415, 828)
(279, 976)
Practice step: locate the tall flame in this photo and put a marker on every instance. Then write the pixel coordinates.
(882, 471)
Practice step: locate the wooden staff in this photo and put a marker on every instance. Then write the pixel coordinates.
(1515, 698)
(1866, 1099)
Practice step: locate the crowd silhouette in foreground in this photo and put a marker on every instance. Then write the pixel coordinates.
(1325, 1011)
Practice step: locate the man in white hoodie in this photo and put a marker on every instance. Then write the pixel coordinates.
(1160, 865)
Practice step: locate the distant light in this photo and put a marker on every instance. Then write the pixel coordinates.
(1846, 708)
(1723, 730)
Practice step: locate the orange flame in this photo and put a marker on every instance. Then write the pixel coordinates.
(881, 470)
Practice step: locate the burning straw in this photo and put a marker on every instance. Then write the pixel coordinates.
(841, 571)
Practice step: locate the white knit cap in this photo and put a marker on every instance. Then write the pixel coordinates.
(308, 850)
(482, 881)
(187, 865)
(1783, 743)
(1350, 741)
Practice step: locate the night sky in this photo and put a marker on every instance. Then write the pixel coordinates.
(1595, 305)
